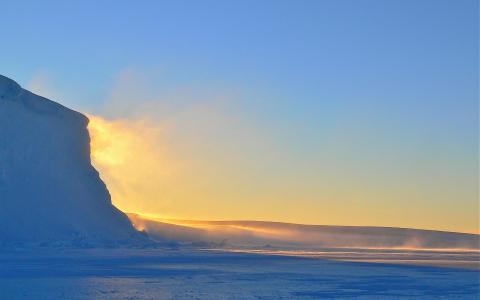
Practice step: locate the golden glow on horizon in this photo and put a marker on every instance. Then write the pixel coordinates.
(311, 239)
(216, 227)
(151, 171)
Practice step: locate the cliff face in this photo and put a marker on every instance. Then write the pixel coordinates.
(49, 191)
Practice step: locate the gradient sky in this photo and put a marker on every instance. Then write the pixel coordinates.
(321, 112)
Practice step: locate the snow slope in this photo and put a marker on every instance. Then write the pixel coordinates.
(297, 236)
(49, 191)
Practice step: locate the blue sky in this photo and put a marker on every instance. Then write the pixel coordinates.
(390, 86)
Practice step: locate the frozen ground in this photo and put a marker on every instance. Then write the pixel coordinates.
(207, 274)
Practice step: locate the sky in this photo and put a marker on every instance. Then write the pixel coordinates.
(319, 112)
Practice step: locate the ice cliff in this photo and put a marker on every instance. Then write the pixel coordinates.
(49, 191)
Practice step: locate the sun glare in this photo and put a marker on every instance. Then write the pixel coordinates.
(132, 161)
(109, 144)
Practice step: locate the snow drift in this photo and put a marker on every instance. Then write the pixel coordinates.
(297, 236)
(49, 191)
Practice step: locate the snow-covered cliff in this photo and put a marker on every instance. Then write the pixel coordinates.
(49, 191)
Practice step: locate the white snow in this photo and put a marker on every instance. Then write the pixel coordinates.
(49, 191)
(192, 274)
(297, 236)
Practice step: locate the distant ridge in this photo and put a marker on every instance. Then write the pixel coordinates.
(258, 233)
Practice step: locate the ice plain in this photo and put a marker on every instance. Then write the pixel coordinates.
(189, 273)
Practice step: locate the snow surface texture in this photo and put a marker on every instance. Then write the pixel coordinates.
(192, 274)
(49, 192)
(297, 236)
